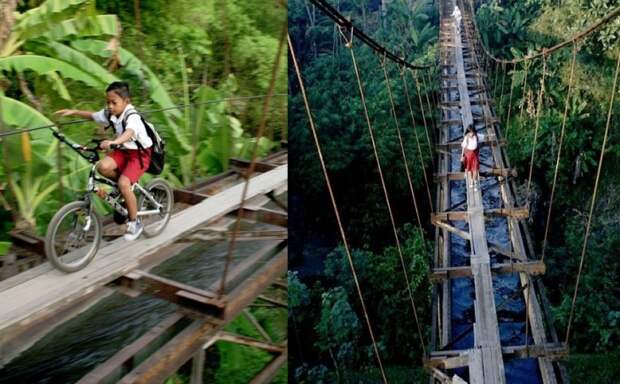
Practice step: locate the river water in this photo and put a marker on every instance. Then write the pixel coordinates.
(77, 346)
(509, 300)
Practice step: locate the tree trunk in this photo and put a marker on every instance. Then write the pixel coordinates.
(7, 19)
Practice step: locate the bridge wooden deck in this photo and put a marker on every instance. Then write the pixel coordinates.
(462, 84)
(33, 302)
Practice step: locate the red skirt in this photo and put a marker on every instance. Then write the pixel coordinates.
(471, 160)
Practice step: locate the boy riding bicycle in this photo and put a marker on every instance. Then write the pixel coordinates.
(128, 164)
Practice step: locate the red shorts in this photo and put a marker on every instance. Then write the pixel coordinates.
(471, 160)
(128, 162)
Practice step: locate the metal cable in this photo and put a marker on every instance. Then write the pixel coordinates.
(335, 207)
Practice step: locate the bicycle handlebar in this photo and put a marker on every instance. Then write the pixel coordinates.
(81, 149)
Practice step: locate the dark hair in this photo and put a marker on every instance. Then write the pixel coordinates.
(121, 88)
(471, 128)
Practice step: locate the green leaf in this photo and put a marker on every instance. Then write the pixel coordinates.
(44, 65)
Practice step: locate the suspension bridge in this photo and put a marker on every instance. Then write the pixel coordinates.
(484, 256)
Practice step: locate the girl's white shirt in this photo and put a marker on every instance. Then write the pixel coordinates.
(471, 142)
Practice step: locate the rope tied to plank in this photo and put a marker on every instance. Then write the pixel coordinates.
(335, 207)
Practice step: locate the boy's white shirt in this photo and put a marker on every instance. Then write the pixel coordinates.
(470, 143)
(134, 122)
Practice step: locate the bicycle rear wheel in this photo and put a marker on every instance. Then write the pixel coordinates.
(161, 192)
(73, 237)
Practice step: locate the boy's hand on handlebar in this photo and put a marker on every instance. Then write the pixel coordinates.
(65, 112)
(106, 144)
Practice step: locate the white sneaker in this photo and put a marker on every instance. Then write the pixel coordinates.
(134, 230)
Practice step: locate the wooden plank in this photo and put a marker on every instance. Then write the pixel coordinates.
(25, 303)
(267, 374)
(114, 367)
(250, 342)
(533, 268)
(460, 233)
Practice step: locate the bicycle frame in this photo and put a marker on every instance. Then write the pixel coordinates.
(94, 178)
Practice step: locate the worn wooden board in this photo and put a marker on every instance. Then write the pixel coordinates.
(32, 299)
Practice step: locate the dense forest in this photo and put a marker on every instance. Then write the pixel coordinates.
(182, 60)
(197, 69)
(324, 306)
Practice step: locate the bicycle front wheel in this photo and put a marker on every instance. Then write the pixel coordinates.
(73, 237)
(161, 192)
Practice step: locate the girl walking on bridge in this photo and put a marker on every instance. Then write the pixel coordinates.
(470, 154)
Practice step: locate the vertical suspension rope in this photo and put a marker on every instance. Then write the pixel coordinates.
(557, 163)
(387, 199)
(335, 207)
(417, 139)
(430, 149)
(541, 93)
(501, 92)
(588, 225)
(250, 170)
(430, 108)
(523, 90)
(496, 70)
(400, 140)
(512, 85)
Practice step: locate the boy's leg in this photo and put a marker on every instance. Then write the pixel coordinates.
(109, 168)
(124, 184)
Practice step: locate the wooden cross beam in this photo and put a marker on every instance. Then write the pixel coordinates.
(532, 268)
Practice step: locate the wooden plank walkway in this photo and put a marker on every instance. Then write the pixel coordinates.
(462, 86)
(26, 301)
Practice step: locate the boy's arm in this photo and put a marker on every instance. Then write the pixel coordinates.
(125, 137)
(75, 112)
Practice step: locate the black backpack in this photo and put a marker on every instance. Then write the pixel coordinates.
(158, 149)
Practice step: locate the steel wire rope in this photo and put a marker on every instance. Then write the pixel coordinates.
(589, 223)
(335, 207)
(400, 141)
(417, 139)
(250, 170)
(430, 148)
(349, 45)
(557, 164)
(574, 38)
(178, 106)
(539, 107)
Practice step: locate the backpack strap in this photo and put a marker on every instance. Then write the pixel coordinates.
(108, 116)
(138, 144)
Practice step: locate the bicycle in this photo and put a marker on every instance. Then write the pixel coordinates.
(74, 234)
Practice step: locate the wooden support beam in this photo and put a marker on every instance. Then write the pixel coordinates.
(250, 342)
(550, 350)
(494, 172)
(124, 360)
(265, 215)
(194, 299)
(518, 213)
(267, 374)
(462, 234)
(241, 165)
(531, 267)
(485, 143)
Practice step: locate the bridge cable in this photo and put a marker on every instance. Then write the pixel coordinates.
(402, 149)
(335, 207)
(576, 37)
(400, 140)
(512, 86)
(501, 92)
(539, 107)
(146, 112)
(588, 225)
(431, 116)
(417, 139)
(250, 170)
(430, 149)
(385, 192)
(557, 164)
